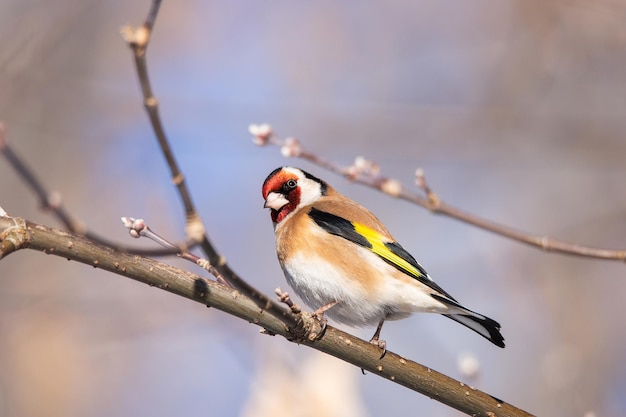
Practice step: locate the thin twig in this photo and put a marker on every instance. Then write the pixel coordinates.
(362, 354)
(292, 148)
(52, 202)
(138, 228)
(284, 298)
(138, 39)
(152, 15)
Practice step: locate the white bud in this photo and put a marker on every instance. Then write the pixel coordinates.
(360, 163)
(391, 187)
(291, 148)
(54, 199)
(261, 134)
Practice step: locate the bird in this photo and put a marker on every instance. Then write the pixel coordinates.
(341, 260)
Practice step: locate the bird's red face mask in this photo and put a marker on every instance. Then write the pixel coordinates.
(281, 193)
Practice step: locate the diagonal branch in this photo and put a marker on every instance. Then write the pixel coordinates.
(16, 234)
(52, 202)
(367, 173)
(138, 39)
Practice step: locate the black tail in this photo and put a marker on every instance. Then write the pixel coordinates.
(484, 326)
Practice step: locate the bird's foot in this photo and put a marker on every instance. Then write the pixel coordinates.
(319, 315)
(309, 327)
(376, 341)
(381, 344)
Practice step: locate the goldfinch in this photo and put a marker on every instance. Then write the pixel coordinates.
(341, 260)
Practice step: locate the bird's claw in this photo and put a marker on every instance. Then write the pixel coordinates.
(323, 321)
(381, 344)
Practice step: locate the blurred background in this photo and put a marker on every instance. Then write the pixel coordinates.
(514, 109)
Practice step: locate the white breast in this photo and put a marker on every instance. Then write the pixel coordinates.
(319, 283)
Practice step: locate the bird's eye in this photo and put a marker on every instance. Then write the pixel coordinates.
(290, 185)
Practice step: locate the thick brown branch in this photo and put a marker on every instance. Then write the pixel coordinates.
(334, 342)
(433, 203)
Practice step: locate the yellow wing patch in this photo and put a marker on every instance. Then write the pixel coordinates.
(380, 248)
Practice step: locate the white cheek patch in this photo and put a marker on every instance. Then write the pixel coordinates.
(310, 191)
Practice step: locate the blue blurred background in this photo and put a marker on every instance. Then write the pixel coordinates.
(514, 109)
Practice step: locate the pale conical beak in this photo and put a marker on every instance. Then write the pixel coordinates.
(275, 201)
